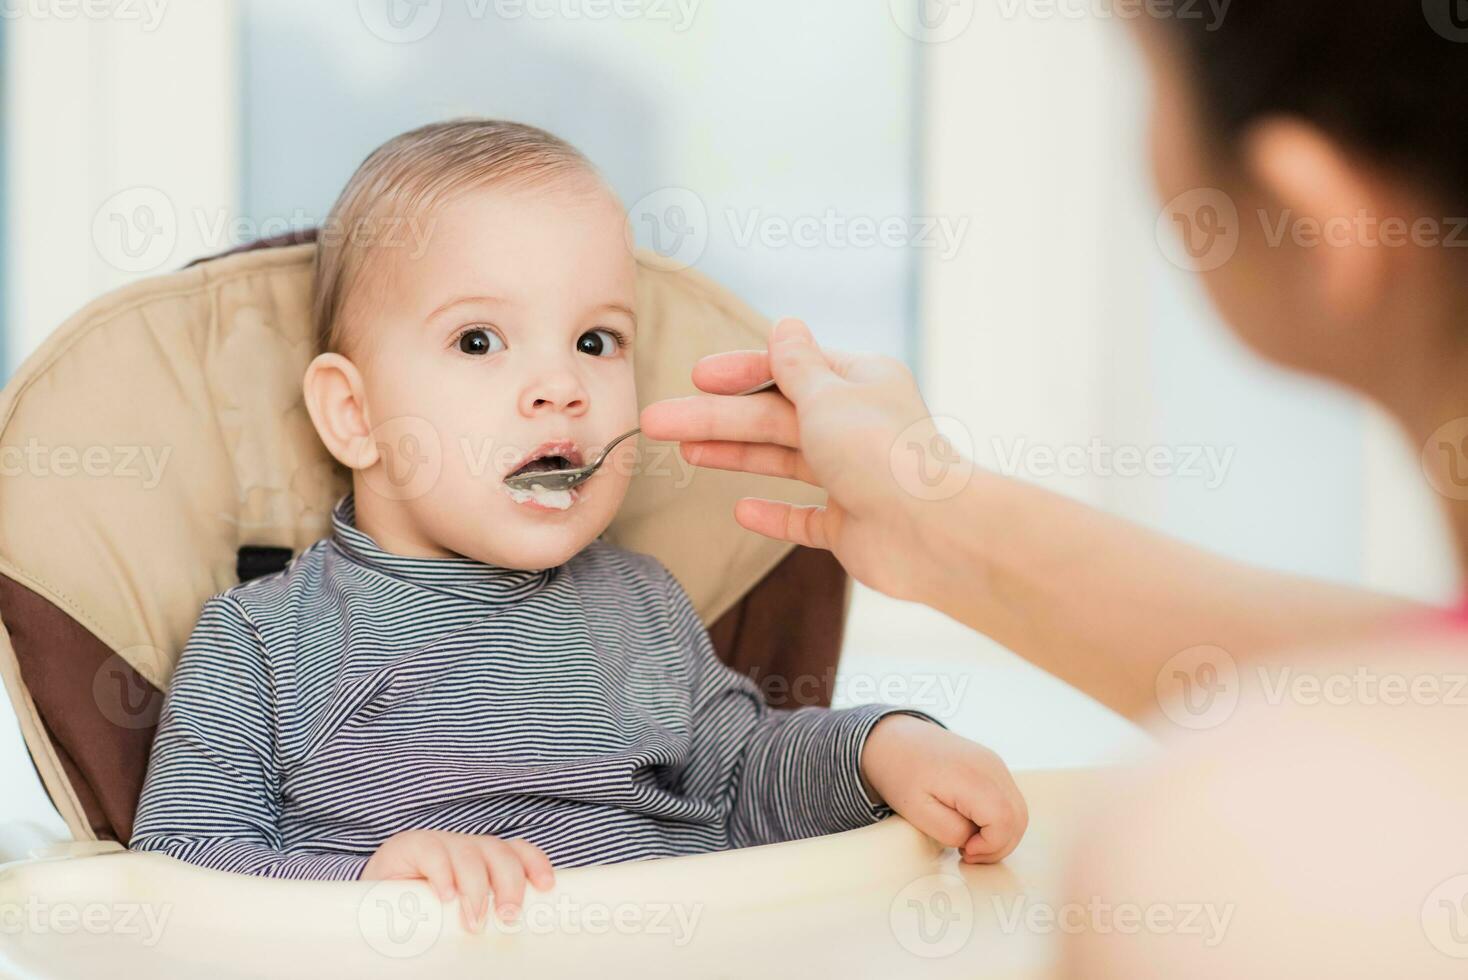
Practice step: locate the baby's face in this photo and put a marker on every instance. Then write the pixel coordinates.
(509, 338)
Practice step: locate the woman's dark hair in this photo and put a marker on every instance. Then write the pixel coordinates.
(1386, 76)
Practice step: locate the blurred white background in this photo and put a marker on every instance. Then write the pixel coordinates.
(966, 189)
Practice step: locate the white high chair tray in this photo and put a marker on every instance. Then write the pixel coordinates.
(880, 901)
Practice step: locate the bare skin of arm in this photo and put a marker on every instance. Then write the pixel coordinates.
(1095, 600)
(1104, 604)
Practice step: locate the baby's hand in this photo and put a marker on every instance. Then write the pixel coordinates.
(955, 791)
(470, 865)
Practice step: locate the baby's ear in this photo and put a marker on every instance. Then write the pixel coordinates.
(337, 402)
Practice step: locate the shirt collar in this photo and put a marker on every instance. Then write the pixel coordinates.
(457, 575)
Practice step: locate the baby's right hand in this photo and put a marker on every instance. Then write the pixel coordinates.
(471, 865)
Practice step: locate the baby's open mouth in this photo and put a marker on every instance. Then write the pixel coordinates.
(547, 458)
(550, 456)
(545, 464)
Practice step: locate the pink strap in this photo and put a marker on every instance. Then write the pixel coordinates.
(1454, 618)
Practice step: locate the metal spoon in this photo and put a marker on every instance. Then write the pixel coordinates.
(577, 475)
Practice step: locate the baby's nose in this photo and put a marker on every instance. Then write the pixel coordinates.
(558, 393)
(562, 403)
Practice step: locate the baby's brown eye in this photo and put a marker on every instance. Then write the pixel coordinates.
(479, 341)
(598, 343)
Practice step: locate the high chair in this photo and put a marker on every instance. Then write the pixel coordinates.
(165, 454)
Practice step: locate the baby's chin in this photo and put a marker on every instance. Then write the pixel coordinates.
(541, 549)
(535, 535)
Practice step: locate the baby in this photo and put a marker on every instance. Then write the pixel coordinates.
(462, 683)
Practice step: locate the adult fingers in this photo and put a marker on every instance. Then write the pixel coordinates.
(804, 525)
(732, 371)
(764, 460)
(765, 418)
(797, 363)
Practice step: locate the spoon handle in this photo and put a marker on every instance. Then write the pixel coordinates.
(613, 444)
(765, 386)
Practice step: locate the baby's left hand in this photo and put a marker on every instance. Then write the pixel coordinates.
(955, 791)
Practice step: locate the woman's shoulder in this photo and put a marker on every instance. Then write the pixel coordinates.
(1310, 803)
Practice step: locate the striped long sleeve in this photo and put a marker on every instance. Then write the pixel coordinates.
(212, 795)
(783, 774)
(359, 693)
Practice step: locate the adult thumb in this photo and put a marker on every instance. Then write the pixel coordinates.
(796, 362)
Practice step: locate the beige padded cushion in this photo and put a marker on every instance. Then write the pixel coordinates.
(196, 375)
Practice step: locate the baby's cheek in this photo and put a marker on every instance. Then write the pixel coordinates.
(609, 496)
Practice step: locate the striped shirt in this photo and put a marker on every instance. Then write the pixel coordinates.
(356, 694)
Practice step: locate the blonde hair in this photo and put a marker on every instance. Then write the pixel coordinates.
(411, 174)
